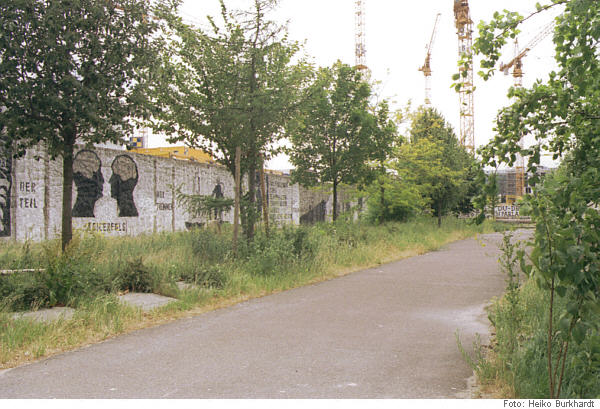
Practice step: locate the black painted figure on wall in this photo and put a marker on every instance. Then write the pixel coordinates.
(315, 214)
(87, 175)
(217, 193)
(5, 185)
(122, 183)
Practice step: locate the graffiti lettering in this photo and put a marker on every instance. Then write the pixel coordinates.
(165, 206)
(106, 227)
(27, 187)
(27, 203)
(193, 225)
(507, 211)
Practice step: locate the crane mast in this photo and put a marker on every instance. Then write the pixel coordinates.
(426, 68)
(464, 26)
(360, 43)
(517, 65)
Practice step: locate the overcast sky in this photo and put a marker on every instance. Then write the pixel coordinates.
(397, 33)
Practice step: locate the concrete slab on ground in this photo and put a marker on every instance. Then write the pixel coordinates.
(47, 315)
(146, 301)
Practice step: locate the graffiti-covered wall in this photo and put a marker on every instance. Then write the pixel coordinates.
(117, 192)
(5, 191)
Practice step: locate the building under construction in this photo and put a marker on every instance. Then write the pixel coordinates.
(509, 188)
(177, 152)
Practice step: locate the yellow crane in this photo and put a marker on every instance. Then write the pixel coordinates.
(517, 62)
(360, 49)
(464, 30)
(426, 68)
(517, 65)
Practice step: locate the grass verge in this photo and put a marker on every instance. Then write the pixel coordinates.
(514, 366)
(95, 268)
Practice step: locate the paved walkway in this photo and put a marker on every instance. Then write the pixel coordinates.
(387, 332)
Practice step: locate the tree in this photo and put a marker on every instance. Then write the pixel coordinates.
(74, 71)
(561, 114)
(487, 197)
(393, 197)
(336, 134)
(235, 87)
(385, 141)
(435, 161)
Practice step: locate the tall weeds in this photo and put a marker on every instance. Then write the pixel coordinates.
(516, 367)
(94, 268)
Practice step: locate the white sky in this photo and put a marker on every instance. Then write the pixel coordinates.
(397, 32)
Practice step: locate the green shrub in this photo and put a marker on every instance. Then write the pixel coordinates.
(210, 247)
(208, 276)
(269, 255)
(304, 245)
(23, 291)
(583, 372)
(15, 256)
(134, 276)
(521, 350)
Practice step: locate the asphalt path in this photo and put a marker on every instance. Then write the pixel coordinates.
(385, 332)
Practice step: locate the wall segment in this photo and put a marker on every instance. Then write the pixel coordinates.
(120, 193)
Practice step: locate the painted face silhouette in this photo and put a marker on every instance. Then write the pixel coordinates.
(5, 184)
(87, 175)
(4, 205)
(122, 183)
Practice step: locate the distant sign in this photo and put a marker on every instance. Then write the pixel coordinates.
(507, 212)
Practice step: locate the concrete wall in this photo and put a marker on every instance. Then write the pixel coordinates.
(116, 193)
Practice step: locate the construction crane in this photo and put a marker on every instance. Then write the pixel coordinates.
(464, 26)
(360, 43)
(517, 65)
(517, 62)
(426, 68)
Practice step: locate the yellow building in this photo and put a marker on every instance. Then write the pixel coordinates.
(177, 152)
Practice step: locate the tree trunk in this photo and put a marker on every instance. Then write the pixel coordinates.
(550, 337)
(334, 213)
(263, 194)
(236, 211)
(67, 205)
(439, 212)
(251, 209)
(382, 192)
(382, 201)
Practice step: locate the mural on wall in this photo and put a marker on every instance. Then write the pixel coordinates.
(217, 193)
(110, 199)
(315, 214)
(218, 190)
(122, 183)
(87, 175)
(5, 187)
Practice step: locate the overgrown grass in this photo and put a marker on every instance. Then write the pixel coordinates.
(88, 276)
(516, 364)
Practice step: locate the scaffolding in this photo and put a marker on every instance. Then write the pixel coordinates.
(359, 36)
(464, 26)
